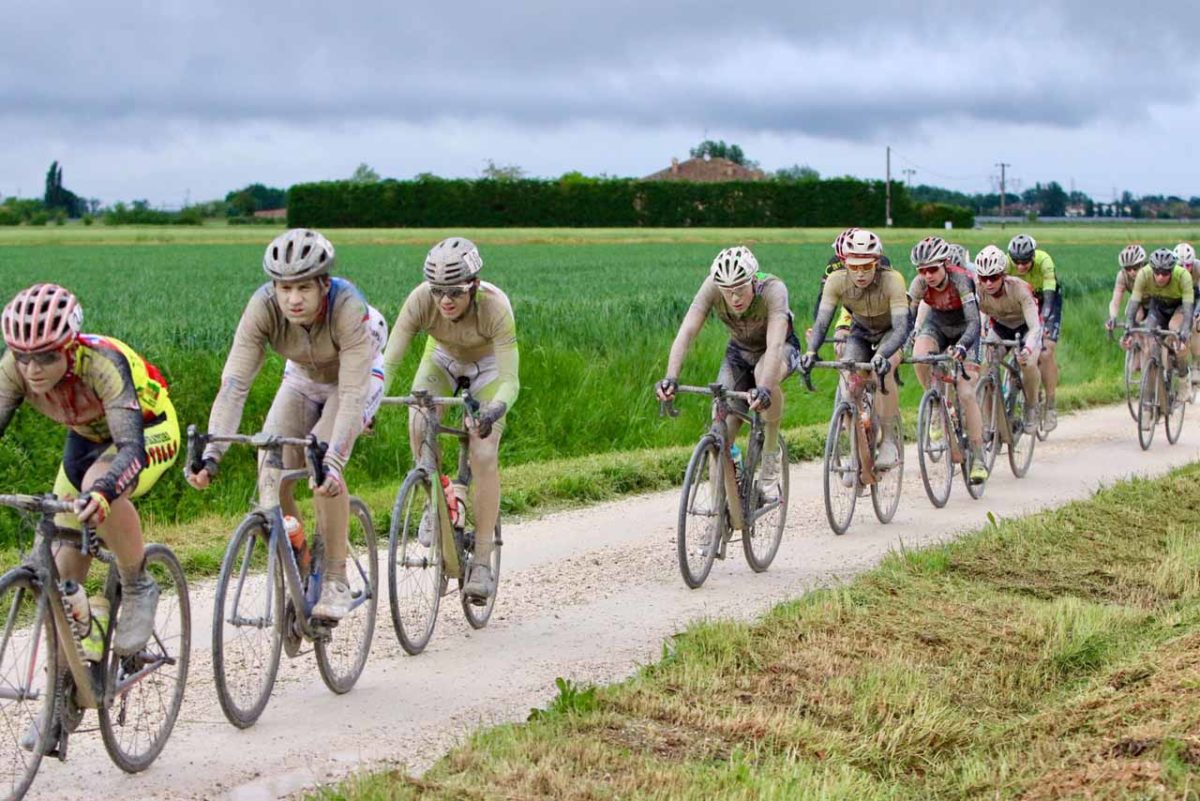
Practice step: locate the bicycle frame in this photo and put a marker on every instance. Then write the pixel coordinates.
(946, 375)
(722, 410)
(858, 388)
(274, 480)
(429, 461)
(998, 356)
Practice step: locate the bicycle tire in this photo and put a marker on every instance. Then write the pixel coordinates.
(701, 484)
(27, 659)
(1148, 405)
(1176, 407)
(885, 492)
(248, 558)
(1132, 387)
(840, 462)
(478, 615)
(990, 411)
(415, 572)
(932, 417)
(758, 557)
(342, 657)
(1023, 442)
(1042, 432)
(127, 712)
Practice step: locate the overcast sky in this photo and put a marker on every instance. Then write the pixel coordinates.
(171, 100)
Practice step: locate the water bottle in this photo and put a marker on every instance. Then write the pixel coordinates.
(75, 602)
(299, 541)
(735, 453)
(453, 491)
(460, 497)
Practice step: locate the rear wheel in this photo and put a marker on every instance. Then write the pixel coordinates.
(414, 569)
(147, 687)
(247, 623)
(991, 411)
(933, 448)
(1178, 392)
(1132, 380)
(761, 539)
(885, 492)
(1022, 440)
(1042, 431)
(702, 513)
(341, 658)
(28, 665)
(1148, 405)
(841, 469)
(478, 614)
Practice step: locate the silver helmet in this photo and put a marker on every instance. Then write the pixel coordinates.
(1132, 256)
(1162, 260)
(453, 261)
(930, 250)
(1021, 247)
(298, 255)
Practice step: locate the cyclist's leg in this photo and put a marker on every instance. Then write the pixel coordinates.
(433, 376)
(333, 514)
(484, 456)
(293, 413)
(1179, 356)
(929, 341)
(773, 416)
(737, 374)
(1048, 362)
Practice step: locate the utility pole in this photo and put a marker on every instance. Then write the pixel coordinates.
(908, 174)
(888, 210)
(1003, 165)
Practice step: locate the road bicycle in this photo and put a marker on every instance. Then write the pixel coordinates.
(941, 440)
(1002, 404)
(264, 601)
(707, 519)
(1160, 394)
(419, 571)
(46, 683)
(1132, 373)
(852, 446)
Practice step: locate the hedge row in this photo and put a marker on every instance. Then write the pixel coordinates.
(597, 203)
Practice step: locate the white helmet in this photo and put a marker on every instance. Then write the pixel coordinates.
(960, 255)
(453, 261)
(733, 266)
(1132, 256)
(930, 250)
(990, 261)
(1185, 253)
(298, 255)
(839, 244)
(862, 247)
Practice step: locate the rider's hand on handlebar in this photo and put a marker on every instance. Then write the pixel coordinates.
(1126, 340)
(959, 353)
(880, 365)
(665, 389)
(92, 509)
(1110, 323)
(489, 413)
(1023, 355)
(807, 361)
(760, 399)
(202, 479)
(334, 484)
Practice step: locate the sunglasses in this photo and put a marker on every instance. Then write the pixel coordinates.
(45, 358)
(988, 279)
(1134, 268)
(930, 270)
(452, 292)
(862, 268)
(1022, 263)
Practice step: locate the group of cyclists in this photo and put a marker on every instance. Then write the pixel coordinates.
(123, 432)
(942, 310)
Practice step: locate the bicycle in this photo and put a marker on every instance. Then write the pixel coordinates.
(1002, 404)
(712, 477)
(1132, 376)
(418, 574)
(136, 697)
(851, 448)
(941, 441)
(264, 603)
(1159, 393)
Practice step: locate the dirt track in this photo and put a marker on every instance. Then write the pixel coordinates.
(586, 594)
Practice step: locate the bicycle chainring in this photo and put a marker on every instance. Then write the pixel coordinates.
(293, 639)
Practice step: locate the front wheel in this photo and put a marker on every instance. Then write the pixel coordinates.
(247, 623)
(761, 538)
(841, 481)
(28, 665)
(933, 448)
(1021, 440)
(1148, 405)
(1042, 431)
(702, 513)
(415, 577)
(341, 657)
(991, 411)
(1132, 384)
(478, 614)
(889, 479)
(1178, 392)
(144, 691)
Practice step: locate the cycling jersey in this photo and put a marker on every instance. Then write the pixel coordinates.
(107, 397)
(1124, 280)
(1041, 275)
(1014, 308)
(486, 329)
(334, 349)
(871, 306)
(954, 312)
(1177, 290)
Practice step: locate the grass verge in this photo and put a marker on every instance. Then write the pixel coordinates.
(1054, 656)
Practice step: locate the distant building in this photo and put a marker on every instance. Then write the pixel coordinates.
(707, 171)
(271, 214)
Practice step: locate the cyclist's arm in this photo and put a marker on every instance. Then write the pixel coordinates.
(1114, 305)
(508, 359)
(11, 395)
(898, 304)
(778, 323)
(1135, 297)
(1029, 310)
(970, 307)
(245, 359)
(820, 294)
(693, 321)
(356, 354)
(408, 324)
(111, 379)
(1188, 302)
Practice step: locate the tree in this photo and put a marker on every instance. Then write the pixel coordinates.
(255, 197)
(721, 150)
(364, 174)
(798, 173)
(507, 172)
(58, 197)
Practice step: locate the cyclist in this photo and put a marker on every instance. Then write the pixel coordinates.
(961, 257)
(1036, 268)
(951, 324)
(763, 348)
(1009, 303)
(1185, 256)
(873, 293)
(473, 337)
(320, 325)
(1166, 289)
(837, 262)
(1131, 259)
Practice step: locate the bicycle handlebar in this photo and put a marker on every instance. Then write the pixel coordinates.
(314, 449)
(846, 365)
(667, 408)
(46, 504)
(1004, 343)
